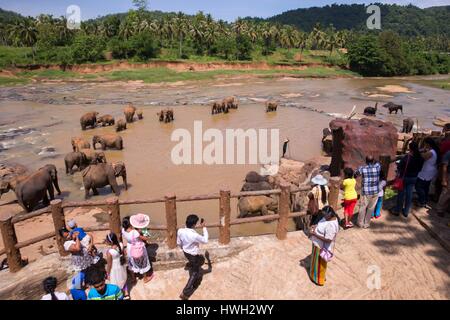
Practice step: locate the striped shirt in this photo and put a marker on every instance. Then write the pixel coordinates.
(112, 292)
(370, 179)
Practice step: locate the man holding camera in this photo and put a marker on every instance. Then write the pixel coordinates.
(189, 241)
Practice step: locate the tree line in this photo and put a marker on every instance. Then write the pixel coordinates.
(140, 35)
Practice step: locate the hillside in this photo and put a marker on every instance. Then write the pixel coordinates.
(405, 20)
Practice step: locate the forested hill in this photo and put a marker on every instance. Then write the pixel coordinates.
(405, 20)
(9, 16)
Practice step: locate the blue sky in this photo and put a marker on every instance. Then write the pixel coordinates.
(219, 9)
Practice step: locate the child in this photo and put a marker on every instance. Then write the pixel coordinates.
(377, 213)
(86, 239)
(350, 196)
(78, 290)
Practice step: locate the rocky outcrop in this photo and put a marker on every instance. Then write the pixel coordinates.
(353, 140)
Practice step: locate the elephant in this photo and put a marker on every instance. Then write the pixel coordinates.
(75, 158)
(166, 115)
(230, 102)
(256, 186)
(89, 120)
(408, 125)
(51, 169)
(32, 189)
(271, 106)
(393, 107)
(121, 125)
(79, 143)
(93, 157)
(106, 120)
(216, 108)
(255, 177)
(129, 112)
(111, 141)
(98, 176)
(140, 114)
(254, 205)
(371, 111)
(120, 170)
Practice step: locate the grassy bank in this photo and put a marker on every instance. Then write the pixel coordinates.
(156, 75)
(441, 84)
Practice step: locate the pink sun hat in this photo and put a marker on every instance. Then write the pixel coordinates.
(140, 220)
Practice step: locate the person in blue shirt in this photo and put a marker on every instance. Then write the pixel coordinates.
(78, 290)
(87, 240)
(100, 290)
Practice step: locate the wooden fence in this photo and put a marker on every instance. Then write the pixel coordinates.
(113, 204)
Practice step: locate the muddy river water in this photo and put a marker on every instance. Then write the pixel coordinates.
(38, 120)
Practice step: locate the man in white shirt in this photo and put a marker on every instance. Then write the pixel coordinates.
(189, 241)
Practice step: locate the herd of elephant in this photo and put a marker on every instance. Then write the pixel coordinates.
(232, 103)
(166, 115)
(408, 123)
(39, 186)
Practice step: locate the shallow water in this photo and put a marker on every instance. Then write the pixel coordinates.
(37, 122)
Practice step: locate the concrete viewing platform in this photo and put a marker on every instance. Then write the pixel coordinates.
(400, 255)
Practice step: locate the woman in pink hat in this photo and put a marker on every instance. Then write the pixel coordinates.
(138, 261)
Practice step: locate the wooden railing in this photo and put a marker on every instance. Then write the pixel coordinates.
(12, 246)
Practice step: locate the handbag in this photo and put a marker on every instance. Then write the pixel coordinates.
(398, 183)
(326, 254)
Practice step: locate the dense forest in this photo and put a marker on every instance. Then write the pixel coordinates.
(408, 21)
(140, 35)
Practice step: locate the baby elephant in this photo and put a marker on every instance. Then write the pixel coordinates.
(271, 106)
(393, 107)
(106, 120)
(110, 141)
(140, 114)
(121, 125)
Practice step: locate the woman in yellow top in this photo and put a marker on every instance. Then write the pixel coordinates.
(350, 196)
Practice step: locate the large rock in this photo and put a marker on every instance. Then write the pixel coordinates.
(353, 140)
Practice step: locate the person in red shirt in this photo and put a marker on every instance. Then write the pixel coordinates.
(445, 144)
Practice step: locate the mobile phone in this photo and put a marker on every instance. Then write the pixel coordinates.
(202, 220)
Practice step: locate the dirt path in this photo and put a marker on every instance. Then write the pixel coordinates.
(412, 264)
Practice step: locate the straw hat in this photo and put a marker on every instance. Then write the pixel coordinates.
(320, 180)
(140, 220)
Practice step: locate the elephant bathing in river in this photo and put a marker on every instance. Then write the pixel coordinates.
(129, 112)
(89, 120)
(79, 143)
(121, 125)
(271, 106)
(32, 189)
(103, 174)
(110, 141)
(106, 120)
(75, 158)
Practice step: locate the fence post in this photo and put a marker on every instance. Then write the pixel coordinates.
(9, 241)
(59, 222)
(114, 216)
(224, 217)
(283, 211)
(333, 199)
(385, 162)
(171, 219)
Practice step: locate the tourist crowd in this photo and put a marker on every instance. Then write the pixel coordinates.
(107, 275)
